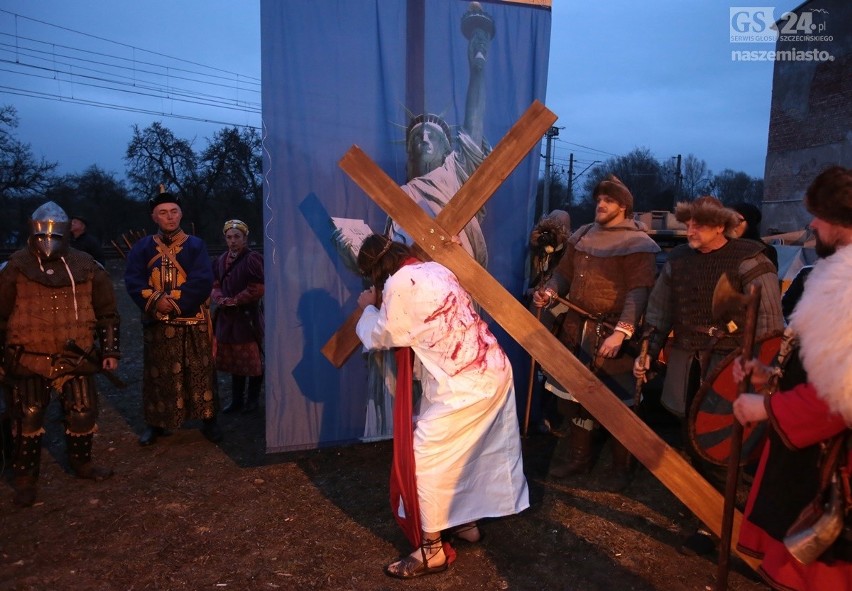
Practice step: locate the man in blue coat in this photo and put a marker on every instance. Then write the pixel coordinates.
(169, 276)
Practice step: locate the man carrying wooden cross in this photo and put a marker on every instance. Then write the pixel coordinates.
(457, 450)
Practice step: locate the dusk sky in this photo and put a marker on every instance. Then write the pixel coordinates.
(621, 75)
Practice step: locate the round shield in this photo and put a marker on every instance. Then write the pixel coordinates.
(711, 415)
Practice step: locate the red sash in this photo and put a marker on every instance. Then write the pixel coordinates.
(403, 478)
(403, 481)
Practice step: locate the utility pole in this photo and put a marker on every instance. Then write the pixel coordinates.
(678, 182)
(548, 169)
(570, 180)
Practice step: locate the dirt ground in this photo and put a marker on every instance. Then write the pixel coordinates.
(187, 514)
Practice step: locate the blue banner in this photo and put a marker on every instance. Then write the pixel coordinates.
(453, 75)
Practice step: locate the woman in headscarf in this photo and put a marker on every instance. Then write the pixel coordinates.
(238, 292)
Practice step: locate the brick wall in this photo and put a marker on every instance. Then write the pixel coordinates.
(810, 123)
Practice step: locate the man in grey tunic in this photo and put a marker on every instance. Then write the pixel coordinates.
(607, 271)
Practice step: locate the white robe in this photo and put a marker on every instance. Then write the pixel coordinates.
(467, 446)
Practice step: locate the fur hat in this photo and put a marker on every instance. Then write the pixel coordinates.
(830, 196)
(708, 211)
(163, 197)
(752, 216)
(613, 188)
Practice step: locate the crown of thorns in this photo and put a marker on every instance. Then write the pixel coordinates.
(372, 264)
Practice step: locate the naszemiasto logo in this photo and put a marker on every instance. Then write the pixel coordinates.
(757, 24)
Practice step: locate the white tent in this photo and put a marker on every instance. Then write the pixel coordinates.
(795, 250)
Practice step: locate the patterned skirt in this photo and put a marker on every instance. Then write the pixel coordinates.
(179, 381)
(242, 359)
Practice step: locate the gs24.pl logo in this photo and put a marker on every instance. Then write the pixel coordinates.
(757, 24)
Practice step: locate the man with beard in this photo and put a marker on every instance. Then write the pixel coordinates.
(681, 301)
(607, 271)
(811, 413)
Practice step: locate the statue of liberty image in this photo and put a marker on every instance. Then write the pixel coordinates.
(436, 169)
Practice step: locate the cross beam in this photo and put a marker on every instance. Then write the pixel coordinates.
(436, 240)
(469, 199)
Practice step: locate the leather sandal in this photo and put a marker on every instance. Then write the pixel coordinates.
(408, 567)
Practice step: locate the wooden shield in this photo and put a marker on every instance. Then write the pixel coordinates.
(711, 414)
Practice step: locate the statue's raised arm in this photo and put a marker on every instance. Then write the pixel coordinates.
(478, 27)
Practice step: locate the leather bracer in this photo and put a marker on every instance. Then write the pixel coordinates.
(108, 336)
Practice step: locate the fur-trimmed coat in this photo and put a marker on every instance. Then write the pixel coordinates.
(823, 322)
(802, 418)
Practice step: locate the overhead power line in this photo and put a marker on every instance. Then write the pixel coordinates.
(113, 42)
(116, 107)
(72, 66)
(62, 72)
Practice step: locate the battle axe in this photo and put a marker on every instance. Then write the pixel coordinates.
(727, 303)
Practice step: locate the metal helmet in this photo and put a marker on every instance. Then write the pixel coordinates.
(49, 230)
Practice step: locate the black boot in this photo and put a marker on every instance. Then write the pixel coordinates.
(621, 472)
(579, 456)
(238, 386)
(150, 434)
(7, 445)
(568, 411)
(211, 431)
(80, 458)
(254, 384)
(26, 468)
(561, 457)
(25, 490)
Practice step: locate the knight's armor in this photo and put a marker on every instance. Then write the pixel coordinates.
(55, 305)
(693, 293)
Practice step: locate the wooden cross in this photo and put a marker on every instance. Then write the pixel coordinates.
(434, 236)
(469, 199)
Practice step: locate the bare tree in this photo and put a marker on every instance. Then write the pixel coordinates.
(642, 174)
(23, 179)
(732, 186)
(222, 181)
(234, 167)
(695, 177)
(156, 156)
